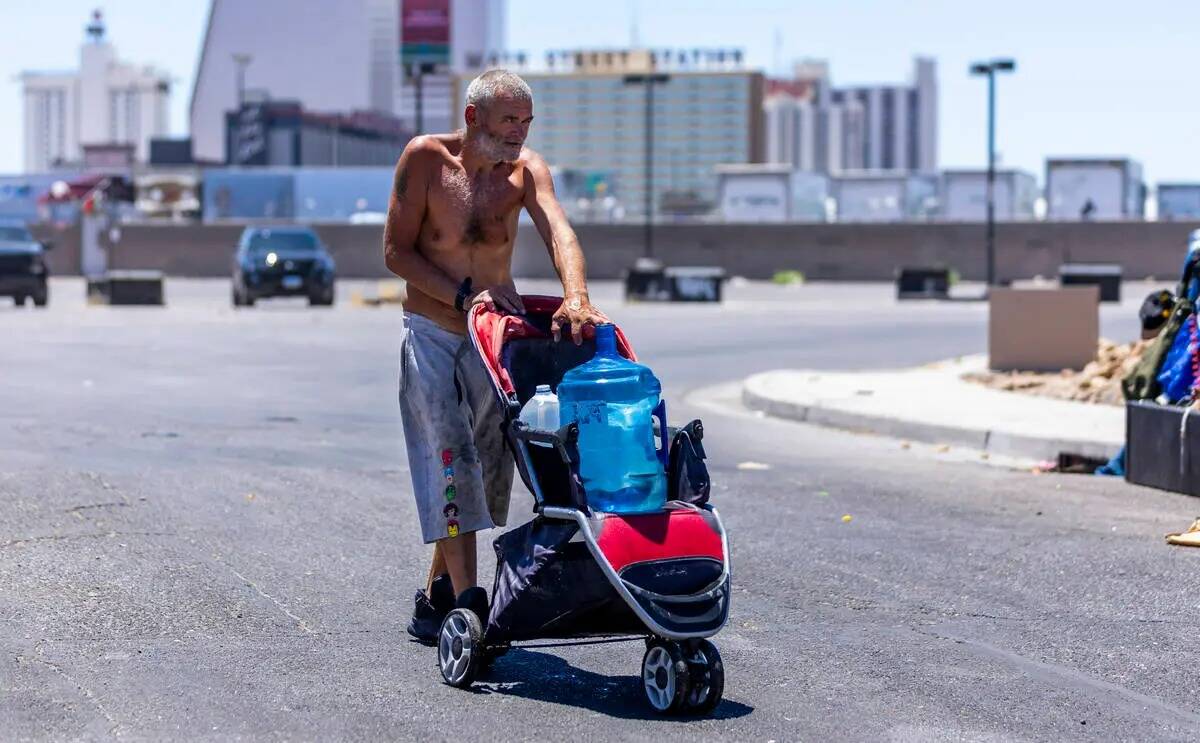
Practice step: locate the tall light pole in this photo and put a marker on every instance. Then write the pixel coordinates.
(649, 80)
(242, 61)
(990, 69)
(416, 72)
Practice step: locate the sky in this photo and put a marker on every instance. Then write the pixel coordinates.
(1093, 78)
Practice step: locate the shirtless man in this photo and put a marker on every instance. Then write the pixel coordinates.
(451, 225)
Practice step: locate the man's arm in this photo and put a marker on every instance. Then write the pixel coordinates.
(563, 245)
(406, 212)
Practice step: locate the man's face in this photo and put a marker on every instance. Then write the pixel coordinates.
(501, 129)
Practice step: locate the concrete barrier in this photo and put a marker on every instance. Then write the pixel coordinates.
(823, 252)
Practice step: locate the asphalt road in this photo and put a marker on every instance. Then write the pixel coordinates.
(206, 532)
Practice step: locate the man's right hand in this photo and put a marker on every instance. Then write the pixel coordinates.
(500, 298)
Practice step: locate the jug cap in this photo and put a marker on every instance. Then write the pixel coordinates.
(542, 388)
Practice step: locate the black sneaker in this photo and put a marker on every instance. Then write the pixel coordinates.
(428, 612)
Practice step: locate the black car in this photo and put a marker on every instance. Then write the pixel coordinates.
(23, 270)
(282, 262)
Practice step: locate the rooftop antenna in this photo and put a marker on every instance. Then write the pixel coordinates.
(633, 24)
(777, 62)
(95, 29)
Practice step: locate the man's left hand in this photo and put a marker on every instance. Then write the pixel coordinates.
(576, 312)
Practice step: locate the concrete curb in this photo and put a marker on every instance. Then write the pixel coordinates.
(756, 396)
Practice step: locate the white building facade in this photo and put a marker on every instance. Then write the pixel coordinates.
(104, 102)
(338, 56)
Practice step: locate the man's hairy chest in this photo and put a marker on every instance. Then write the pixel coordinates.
(477, 210)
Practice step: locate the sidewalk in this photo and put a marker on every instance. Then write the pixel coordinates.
(933, 404)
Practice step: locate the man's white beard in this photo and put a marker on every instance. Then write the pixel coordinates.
(492, 148)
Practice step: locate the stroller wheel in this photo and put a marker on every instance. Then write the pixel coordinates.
(665, 677)
(707, 676)
(460, 648)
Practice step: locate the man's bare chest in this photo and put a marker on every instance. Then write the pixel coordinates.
(476, 211)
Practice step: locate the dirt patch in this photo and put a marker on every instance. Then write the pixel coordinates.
(1099, 382)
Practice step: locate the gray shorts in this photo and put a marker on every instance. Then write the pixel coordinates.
(461, 471)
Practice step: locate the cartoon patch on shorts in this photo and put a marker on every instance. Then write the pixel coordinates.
(447, 456)
(452, 527)
(450, 511)
(451, 492)
(448, 473)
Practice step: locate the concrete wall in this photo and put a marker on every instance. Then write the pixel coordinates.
(848, 252)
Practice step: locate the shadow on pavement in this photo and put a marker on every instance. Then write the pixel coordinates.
(548, 678)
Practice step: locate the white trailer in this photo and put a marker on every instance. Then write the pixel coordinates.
(885, 197)
(1178, 201)
(770, 193)
(964, 196)
(1094, 189)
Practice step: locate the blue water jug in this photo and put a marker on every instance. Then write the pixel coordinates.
(614, 401)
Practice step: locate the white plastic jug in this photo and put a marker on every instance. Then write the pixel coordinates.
(541, 412)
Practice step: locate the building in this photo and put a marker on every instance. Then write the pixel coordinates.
(1094, 188)
(106, 103)
(446, 38)
(338, 56)
(812, 125)
(283, 133)
(964, 196)
(706, 110)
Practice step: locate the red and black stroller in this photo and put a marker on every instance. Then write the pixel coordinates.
(572, 573)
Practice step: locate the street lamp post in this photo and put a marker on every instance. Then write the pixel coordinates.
(649, 80)
(990, 69)
(416, 72)
(242, 61)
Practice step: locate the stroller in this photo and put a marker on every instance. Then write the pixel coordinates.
(574, 574)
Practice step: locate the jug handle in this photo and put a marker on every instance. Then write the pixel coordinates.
(660, 412)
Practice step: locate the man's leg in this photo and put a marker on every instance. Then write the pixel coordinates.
(436, 569)
(459, 557)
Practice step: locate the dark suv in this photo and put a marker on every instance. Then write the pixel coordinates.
(282, 262)
(22, 265)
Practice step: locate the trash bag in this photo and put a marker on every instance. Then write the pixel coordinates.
(1145, 381)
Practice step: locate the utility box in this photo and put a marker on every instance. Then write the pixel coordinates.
(1043, 329)
(922, 283)
(1162, 446)
(1107, 276)
(126, 288)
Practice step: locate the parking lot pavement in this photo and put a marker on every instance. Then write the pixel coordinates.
(207, 531)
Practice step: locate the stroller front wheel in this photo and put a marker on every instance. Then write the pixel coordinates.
(665, 676)
(460, 648)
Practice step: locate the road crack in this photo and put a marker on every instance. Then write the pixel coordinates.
(114, 723)
(300, 622)
(97, 535)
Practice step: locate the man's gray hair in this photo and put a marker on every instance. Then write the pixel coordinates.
(493, 84)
